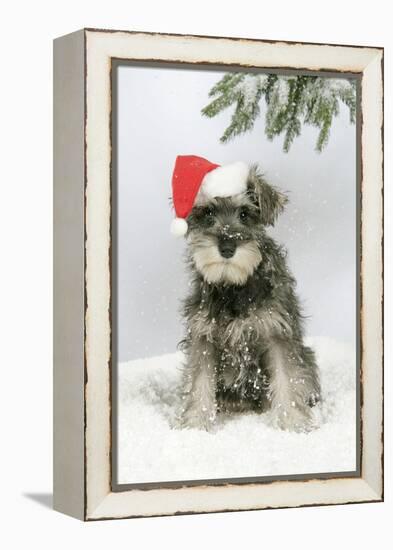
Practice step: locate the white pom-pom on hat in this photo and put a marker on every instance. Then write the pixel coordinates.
(179, 227)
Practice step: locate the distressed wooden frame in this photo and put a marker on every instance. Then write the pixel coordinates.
(82, 292)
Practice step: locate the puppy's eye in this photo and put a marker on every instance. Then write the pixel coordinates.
(244, 214)
(208, 216)
(205, 215)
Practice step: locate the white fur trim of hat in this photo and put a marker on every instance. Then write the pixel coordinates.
(226, 181)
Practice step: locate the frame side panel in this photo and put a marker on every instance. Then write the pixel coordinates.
(68, 242)
(372, 274)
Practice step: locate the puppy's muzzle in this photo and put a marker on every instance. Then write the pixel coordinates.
(227, 247)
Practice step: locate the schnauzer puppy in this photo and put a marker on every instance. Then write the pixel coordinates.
(244, 345)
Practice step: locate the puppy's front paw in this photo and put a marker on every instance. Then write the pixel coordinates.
(199, 419)
(293, 419)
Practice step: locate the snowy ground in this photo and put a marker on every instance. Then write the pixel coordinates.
(242, 445)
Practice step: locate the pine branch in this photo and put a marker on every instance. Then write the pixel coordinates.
(226, 90)
(291, 101)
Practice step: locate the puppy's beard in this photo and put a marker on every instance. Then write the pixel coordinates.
(236, 270)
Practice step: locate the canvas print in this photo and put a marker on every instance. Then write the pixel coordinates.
(234, 274)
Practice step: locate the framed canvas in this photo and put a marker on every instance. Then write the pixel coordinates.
(240, 366)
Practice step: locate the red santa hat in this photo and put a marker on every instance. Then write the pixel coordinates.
(195, 175)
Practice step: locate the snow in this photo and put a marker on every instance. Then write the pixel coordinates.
(282, 89)
(249, 87)
(241, 445)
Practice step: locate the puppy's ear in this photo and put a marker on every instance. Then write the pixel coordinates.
(267, 198)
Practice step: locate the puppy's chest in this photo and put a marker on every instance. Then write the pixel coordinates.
(228, 303)
(231, 322)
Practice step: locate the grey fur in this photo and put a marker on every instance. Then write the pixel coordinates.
(244, 345)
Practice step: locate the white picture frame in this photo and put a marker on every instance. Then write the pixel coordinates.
(82, 257)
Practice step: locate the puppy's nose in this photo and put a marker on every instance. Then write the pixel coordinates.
(227, 248)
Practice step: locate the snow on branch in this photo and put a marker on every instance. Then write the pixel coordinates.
(291, 101)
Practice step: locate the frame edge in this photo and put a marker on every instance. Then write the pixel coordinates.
(110, 506)
(68, 290)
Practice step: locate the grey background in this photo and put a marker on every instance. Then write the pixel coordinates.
(158, 119)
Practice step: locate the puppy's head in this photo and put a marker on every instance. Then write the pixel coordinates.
(225, 233)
